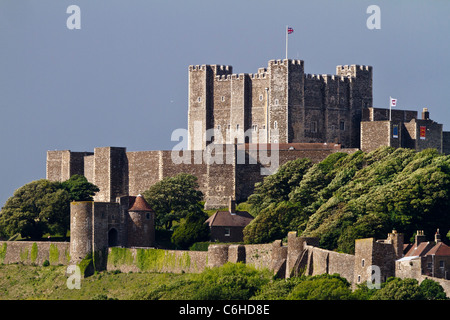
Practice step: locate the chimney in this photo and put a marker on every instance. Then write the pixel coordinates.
(396, 239)
(232, 205)
(425, 114)
(437, 237)
(420, 237)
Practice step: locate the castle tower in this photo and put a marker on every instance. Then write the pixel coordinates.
(278, 100)
(110, 173)
(89, 231)
(286, 100)
(374, 261)
(201, 102)
(141, 224)
(80, 230)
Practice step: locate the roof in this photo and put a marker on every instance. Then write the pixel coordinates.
(420, 250)
(440, 249)
(290, 146)
(226, 219)
(408, 258)
(140, 205)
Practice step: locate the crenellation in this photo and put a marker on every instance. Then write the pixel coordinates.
(197, 67)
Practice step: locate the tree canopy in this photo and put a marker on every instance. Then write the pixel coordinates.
(173, 198)
(36, 208)
(351, 196)
(43, 206)
(79, 188)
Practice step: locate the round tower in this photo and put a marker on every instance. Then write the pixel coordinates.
(141, 224)
(80, 230)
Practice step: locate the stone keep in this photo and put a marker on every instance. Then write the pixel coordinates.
(302, 107)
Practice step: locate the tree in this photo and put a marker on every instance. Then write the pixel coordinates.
(37, 207)
(322, 287)
(359, 195)
(432, 290)
(173, 198)
(232, 281)
(399, 289)
(191, 230)
(79, 188)
(277, 187)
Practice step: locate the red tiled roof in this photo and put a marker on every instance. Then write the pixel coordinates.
(420, 250)
(292, 146)
(226, 219)
(440, 249)
(140, 205)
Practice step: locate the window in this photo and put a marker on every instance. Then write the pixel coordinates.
(313, 126)
(342, 125)
(441, 264)
(229, 127)
(199, 99)
(218, 127)
(395, 131)
(275, 124)
(255, 127)
(276, 102)
(237, 127)
(260, 97)
(223, 98)
(148, 216)
(359, 278)
(227, 232)
(362, 262)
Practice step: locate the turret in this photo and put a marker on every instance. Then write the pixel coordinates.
(141, 224)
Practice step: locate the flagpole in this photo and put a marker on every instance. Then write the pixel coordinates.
(287, 42)
(390, 107)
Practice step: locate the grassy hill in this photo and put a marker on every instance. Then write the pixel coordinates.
(229, 282)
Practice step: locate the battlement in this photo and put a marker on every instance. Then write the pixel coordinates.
(218, 69)
(259, 75)
(327, 78)
(222, 69)
(288, 61)
(234, 76)
(197, 67)
(353, 70)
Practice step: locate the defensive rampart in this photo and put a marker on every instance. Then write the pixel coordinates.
(34, 253)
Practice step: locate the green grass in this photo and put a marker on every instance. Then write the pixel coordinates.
(20, 282)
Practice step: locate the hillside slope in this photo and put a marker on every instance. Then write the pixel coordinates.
(351, 196)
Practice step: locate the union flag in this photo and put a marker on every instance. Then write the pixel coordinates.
(290, 30)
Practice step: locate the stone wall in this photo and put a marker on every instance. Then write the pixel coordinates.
(178, 261)
(156, 260)
(63, 164)
(330, 262)
(34, 253)
(374, 134)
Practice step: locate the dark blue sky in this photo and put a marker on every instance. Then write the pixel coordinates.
(121, 80)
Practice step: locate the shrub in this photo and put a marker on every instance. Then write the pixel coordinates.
(322, 287)
(230, 282)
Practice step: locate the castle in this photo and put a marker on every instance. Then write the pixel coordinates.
(242, 127)
(245, 124)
